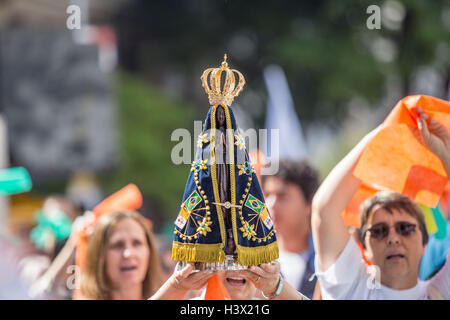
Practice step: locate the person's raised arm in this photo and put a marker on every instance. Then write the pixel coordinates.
(436, 138)
(329, 231)
(181, 282)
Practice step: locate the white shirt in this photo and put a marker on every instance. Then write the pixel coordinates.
(203, 294)
(293, 266)
(350, 278)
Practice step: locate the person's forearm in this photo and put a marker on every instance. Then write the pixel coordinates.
(444, 156)
(169, 292)
(446, 163)
(289, 293)
(340, 185)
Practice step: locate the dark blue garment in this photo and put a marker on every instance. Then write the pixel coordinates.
(308, 283)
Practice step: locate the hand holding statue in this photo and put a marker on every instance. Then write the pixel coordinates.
(186, 279)
(181, 282)
(265, 277)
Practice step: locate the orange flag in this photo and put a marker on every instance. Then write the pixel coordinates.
(397, 160)
(215, 290)
(127, 198)
(259, 161)
(351, 212)
(445, 202)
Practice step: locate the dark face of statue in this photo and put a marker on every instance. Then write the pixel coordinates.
(220, 116)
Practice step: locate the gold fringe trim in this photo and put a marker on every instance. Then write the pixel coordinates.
(197, 252)
(253, 256)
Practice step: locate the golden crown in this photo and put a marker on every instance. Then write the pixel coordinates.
(213, 86)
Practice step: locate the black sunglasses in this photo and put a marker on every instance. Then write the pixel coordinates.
(381, 230)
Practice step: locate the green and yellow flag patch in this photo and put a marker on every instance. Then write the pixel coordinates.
(260, 208)
(193, 200)
(254, 204)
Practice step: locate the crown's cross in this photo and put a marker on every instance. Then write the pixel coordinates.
(211, 82)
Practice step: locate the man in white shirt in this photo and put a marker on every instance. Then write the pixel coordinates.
(392, 232)
(288, 196)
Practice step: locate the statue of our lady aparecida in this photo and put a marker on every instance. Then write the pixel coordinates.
(223, 223)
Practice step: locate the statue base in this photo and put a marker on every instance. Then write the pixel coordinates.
(228, 264)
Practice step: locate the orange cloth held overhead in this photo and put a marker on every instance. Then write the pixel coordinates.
(215, 290)
(396, 159)
(259, 161)
(351, 212)
(445, 202)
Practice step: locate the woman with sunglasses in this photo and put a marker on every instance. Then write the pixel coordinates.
(392, 233)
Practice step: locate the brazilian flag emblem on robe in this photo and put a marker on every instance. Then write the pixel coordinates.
(186, 208)
(260, 208)
(254, 204)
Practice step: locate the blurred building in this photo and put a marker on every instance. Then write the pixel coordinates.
(57, 90)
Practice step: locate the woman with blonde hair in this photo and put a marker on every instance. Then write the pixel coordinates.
(122, 261)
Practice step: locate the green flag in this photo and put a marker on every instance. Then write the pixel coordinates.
(254, 204)
(192, 201)
(14, 180)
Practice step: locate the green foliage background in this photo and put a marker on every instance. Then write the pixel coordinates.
(324, 47)
(147, 118)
